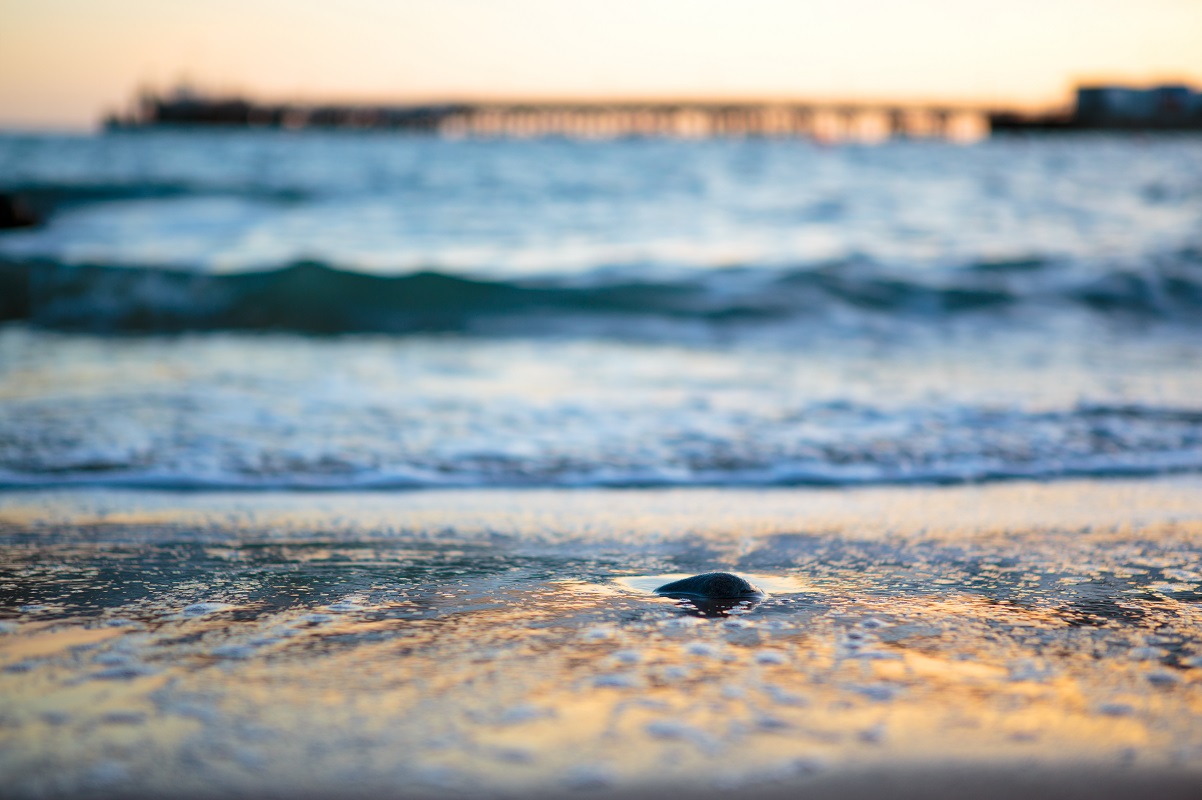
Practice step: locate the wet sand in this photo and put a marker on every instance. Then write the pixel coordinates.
(1021, 639)
(978, 781)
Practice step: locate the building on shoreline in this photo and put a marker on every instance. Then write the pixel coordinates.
(1173, 107)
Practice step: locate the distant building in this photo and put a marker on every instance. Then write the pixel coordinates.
(1123, 106)
(1172, 107)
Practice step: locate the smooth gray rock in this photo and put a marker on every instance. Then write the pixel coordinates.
(710, 585)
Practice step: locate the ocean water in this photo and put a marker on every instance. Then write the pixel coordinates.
(269, 310)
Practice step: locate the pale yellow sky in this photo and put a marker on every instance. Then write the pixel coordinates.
(64, 62)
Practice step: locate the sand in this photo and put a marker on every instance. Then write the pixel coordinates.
(1017, 639)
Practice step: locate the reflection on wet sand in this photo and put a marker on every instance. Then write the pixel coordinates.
(148, 657)
(715, 607)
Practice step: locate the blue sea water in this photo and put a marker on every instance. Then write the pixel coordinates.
(366, 310)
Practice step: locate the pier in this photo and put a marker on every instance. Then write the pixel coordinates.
(833, 121)
(1107, 108)
(577, 119)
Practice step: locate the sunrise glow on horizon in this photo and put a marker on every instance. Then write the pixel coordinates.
(63, 63)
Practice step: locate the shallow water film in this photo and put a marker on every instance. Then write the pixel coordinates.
(508, 643)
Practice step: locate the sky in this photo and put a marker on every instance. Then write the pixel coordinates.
(63, 63)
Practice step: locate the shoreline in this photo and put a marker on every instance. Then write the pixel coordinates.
(1065, 502)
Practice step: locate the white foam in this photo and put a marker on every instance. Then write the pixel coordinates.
(205, 608)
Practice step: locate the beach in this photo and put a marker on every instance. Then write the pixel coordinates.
(507, 643)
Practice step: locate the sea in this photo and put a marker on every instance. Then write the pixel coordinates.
(341, 463)
(301, 310)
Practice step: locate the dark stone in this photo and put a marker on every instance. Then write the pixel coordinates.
(710, 585)
(15, 213)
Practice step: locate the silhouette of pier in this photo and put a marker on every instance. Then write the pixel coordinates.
(818, 120)
(1115, 108)
(575, 119)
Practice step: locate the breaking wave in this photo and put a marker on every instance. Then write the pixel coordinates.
(257, 446)
(318, 298)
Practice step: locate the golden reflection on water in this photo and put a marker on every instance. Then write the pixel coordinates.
(992, 651)
(530, 688)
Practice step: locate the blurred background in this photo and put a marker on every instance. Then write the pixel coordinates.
(64, 63)
(375, 244)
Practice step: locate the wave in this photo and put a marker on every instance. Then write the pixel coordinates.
(44, 199)
(778, 476)
(253, 444)
(318, 298)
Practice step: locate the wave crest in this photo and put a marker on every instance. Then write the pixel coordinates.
(317, 298)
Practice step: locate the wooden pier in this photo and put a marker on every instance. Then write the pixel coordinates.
(825, 121)
(840, 121)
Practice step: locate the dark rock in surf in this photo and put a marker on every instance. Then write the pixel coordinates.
(711, 586)
(15, 213)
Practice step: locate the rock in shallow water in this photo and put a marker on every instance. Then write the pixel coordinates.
(710, 585)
